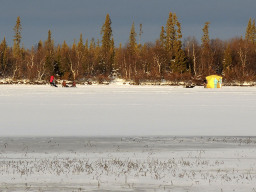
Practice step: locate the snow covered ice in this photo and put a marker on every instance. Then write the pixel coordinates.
(128, 164)
(127, 138)
(126, 111)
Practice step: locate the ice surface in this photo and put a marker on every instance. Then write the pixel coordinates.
(194, 164)
(126, 111)
(127, 138)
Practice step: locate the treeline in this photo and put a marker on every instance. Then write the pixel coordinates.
(168, 58)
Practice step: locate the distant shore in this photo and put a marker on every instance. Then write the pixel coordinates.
(122, 82)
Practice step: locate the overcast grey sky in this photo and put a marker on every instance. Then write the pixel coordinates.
(68, 18)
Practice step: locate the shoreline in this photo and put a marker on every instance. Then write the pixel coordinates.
(125, 83)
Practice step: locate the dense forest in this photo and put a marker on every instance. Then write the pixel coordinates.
(170, 57)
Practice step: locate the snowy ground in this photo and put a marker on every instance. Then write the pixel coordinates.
(195, 164)
(126, 111)
(127, 138)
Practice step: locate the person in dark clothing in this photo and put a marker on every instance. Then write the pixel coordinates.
(74, 84)
(205, 83)
(64, 84)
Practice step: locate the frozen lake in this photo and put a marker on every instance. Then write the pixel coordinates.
(126, 111)
(140, 164)
(127, 138)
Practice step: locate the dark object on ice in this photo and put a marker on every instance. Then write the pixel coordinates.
(205, 83)
(189, 85)
(52, 81)
(64, 84)
(89, 83)
(73, 84)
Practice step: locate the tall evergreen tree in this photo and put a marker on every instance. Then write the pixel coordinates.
(17, 37)
(92, 44)
(112, 54)
(132, 45)
(205, 38)
(249, 31)
(250, 34)
(57, 60)
(140, 34)
(82, 53)
(80, 44)
(92, 57)
(106, 47)
(17, 67)
(170, 33)
(3, 58)
(132, 51)
(179, 64)
(162, 37)
(106, 32)
(253, 32)
(206, 55)
(64, 67)
(49, 58)
(49, 44)
(86, 58)
(39, 45)
(173, 44)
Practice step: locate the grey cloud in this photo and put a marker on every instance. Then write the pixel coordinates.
(68, 18)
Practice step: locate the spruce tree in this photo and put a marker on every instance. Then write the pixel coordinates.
(206, 55)
(248, 34)
(173, 44)
(112, 55)
(92, 44)
(86, 58)
(86, 45)
(162, 37)
(140, 34)
(3, 57)
(179, 64)
(106, 32)
(132, 41)
(132, 51)
(170, 33)
(49, 43)
(58, 61)
(49, 58)
(253, 32)
(80, 44)
(64, 62)
(106, 47)
(82, 53)
(205, 38)
(92, 57)
(17, 68)
(17, 37)
(39, 45)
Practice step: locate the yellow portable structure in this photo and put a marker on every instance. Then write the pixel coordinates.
(213, 81)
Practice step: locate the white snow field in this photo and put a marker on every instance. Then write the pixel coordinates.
(114, 110)
(148, 164)
(127, 138)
